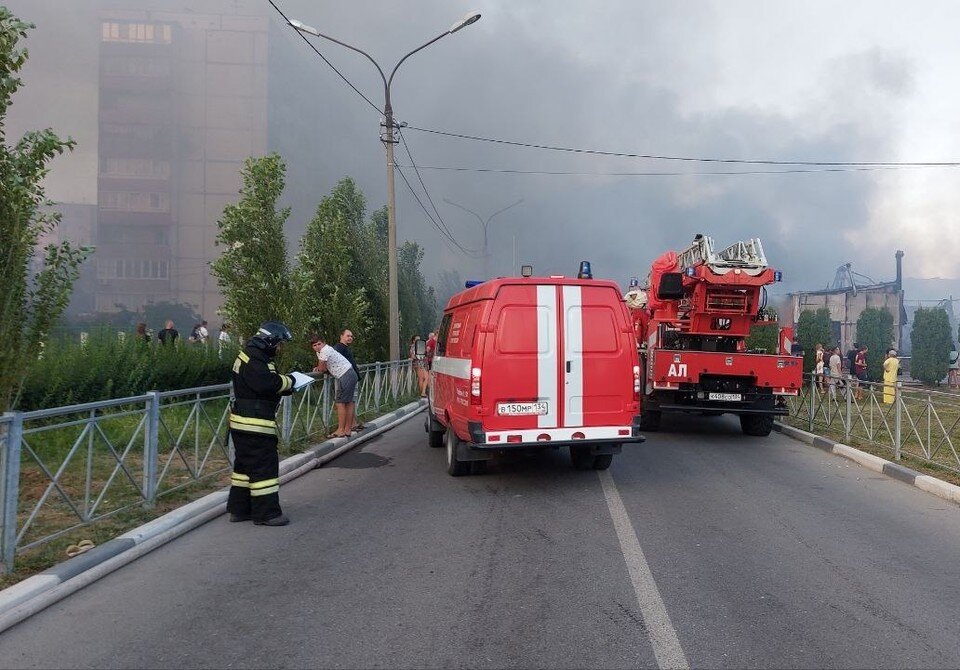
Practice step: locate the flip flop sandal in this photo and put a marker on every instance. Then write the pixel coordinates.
(80, 548)
(359, 426)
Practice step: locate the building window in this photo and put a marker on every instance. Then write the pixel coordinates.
(133, 268)
(142, 168)
(135, 201)
(136, 33)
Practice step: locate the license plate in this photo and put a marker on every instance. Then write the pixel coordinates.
(522, 408)
(729, 397)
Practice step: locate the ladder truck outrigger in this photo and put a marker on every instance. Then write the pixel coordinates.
(692, 321)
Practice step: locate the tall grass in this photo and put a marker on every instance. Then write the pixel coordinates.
(106, 367)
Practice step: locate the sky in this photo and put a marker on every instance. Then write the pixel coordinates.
(860, 81)
(817, 81)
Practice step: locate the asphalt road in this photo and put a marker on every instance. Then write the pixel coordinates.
(761, 552)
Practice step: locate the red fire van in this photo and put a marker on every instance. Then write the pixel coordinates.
(527, 362)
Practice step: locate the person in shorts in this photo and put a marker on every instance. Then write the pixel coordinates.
(332, 361)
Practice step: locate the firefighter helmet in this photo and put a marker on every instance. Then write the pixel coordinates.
(271, 334)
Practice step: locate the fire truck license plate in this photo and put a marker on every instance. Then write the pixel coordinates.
(730, 397)
(521, 408)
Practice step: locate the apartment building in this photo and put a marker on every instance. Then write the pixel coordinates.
(180, 102)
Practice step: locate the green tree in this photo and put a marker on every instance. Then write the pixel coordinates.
(253, 271)
(30, 301)
(418, 306)
(449, 282)
(813, 327)
(329, 295)
(875, 331)
(931, 345)
(372, 263)
(765, 337)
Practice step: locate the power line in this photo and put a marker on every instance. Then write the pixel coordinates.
(443, 234)
(656, 174)
(332, 66)
(691, 159)
(426, 192)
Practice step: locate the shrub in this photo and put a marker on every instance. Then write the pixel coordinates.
(875, 330)
(107, 367)
(931, 341)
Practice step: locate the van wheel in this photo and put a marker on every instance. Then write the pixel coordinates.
(759, 425)
(456, 468)
(602, 461)
(650, 421)
(581, 457)
(434, 431)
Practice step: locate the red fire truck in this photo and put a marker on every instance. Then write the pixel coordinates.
(692, 321)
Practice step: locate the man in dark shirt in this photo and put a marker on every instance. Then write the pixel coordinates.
(343, 347)
(169, 334)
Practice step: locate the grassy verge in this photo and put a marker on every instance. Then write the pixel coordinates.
(121, 500)
(930, 420)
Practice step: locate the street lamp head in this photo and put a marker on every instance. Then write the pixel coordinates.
(472, 17)
(304, 28)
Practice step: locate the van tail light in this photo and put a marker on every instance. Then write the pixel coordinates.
(475, 386)
(636, 382)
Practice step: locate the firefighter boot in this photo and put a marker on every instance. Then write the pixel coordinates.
(281, 520)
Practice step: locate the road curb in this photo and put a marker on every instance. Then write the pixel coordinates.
(40, 591)
(926, 483)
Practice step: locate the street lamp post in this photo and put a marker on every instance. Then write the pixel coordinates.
(388, 141)
(484, 223)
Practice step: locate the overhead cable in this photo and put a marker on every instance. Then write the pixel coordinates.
(691, 159)
(658, 174)
(332, 66)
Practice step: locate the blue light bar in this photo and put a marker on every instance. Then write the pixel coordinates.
(585, 272)
(691, 272)
(778, 276)
(470, 283)
(634, 282)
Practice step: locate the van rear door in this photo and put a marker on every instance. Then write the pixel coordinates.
(597, 371)
(520, 364)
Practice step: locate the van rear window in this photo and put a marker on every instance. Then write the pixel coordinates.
(599, 331)
(518, 327)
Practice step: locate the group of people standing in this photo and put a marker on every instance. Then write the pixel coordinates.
(828, 367)
(198, 335)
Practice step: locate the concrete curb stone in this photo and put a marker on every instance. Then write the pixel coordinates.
(926, 483)
(172, 524)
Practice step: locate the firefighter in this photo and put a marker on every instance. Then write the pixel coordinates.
(257, 387)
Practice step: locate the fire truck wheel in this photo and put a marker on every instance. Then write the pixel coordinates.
(581, 457)
(434, 432)
(455, 467)
(756, 424)
(602, 461)
(650, 421)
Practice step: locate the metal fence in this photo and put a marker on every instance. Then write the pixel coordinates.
(920, 423)
(67, 467)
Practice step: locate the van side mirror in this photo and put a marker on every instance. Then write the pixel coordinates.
(420, 348)
(671, 286)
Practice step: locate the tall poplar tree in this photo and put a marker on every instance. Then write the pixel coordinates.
(33, 292)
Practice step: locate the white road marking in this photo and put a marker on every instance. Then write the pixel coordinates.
(663, 637)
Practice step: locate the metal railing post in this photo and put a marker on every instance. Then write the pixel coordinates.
(897, 399)
(813, 392)
(151, 448)
(848, 423)
(286, 419)
(376, 386)
(10, 486)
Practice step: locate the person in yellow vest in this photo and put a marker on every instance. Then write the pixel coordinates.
(257, 388)
(891, 367)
